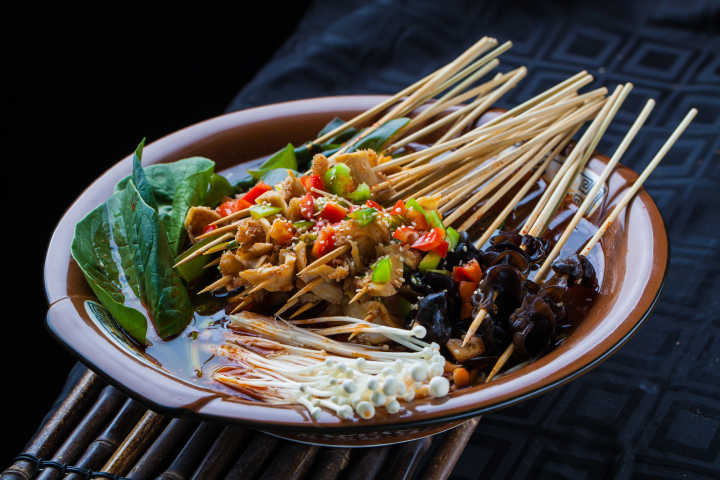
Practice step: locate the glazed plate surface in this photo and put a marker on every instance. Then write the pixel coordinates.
(634, 275)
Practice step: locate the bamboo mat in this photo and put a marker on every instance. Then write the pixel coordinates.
(97, 428)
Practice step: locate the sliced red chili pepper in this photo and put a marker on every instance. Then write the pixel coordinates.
(467, 289)
(472, 271)
(399, 208)
(325, 242)
(375, 205)
(256, 191)
(307, 206)
(209, 228)
(430, 240)
(332, 212)
(466, 310)
(442, 249)
(232, 206)
(313, 181)
(407, 235)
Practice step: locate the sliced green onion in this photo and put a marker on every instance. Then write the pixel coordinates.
(444, 272)
(452, 237)
(363, 216)
(360, 194)
(338, 179)
(261, 211)
(382, 271)
(434, 219)
(299, 225)
(430, 261)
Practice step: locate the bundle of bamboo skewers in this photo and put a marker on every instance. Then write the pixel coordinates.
(472, 168)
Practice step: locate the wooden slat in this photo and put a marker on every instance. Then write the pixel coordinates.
(135, 444)
(408, 456)
(228, 446)
(368, 465)
(331, 463)
(193, 452)
(173, 434)
(255, 459)
(442, 463)
(111, 438)
(292, 463)
(47, 440)
(107, 405)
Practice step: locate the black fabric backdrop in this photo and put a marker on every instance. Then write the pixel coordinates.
(652, 411)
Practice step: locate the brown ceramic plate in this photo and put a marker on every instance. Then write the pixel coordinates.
(633, 278)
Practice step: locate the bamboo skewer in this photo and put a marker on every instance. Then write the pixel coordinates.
(568, 165)
(613, 215)
(286, 306)
(426, 90)
(200, 251)
(639, 182)
(212, 264)
(482, 137)
(587, 144)
(359, 294)
(233, 216)
(537, 158)
(242, 305)
(523, 191)
(217, 284)
(590, 198)
(590, 133)
(325, 259)
(303, 309)
(308, 287)
(219, 231)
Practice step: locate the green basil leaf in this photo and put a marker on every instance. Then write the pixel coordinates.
(283, 159)
(304, 155)
(244, 184)
(219, 188)
(161, 289)
(381, 136)
(176, 187)
(140, 180)
(339, 138)
(277, 175)
(95, 252)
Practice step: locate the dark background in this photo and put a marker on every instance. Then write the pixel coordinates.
(87, 83)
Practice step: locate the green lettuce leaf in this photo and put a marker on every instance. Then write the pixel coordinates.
(219, 189)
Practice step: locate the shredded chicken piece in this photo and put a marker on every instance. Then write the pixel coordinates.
(273, 198)
(301, 253)
(281, 276)
(320, 165)
(250, 232)
(357, 258)
(292, 187)
(361, 165)
(329, 291)
(373, 307)
(367, 238)
(230, 264)
(293, 213)
(197, 219)
(331, 273)
(260, 248)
